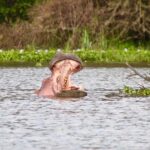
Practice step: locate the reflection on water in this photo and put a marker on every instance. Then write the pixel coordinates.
(90, 123)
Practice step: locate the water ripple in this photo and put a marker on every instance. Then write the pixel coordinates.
(90, 123)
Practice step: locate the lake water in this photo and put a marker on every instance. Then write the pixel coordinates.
(95, 122)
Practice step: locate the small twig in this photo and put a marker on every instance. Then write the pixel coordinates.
(142, 86)
(137, 73)
(130, 75)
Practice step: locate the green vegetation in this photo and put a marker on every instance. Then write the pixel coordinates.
(88, 24)
(136, 92)
(32, 57)
(12, 10)
(112, 56)
(99, 57)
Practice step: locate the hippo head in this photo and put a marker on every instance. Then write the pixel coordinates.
(61, 57)
(62, 67)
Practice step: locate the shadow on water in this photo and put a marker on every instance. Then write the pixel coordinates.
(91, 122)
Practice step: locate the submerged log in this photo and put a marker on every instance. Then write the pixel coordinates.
(72, 94)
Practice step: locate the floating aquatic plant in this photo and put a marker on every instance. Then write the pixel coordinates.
(136, 92)
(89, 56)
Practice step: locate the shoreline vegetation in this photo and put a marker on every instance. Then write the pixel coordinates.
(90, 58)
(102, 33)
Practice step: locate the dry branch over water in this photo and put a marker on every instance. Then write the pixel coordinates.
(145, 77)
(142, 91)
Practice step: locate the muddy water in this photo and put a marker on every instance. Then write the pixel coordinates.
(95, 122)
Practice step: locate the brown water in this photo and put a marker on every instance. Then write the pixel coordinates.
(95, 122)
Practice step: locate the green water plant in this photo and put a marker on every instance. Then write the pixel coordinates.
(143, 91)
(41, 57)
(34, 57)
(136, 92)
(115, 56)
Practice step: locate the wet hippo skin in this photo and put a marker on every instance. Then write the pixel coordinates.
(62, 69)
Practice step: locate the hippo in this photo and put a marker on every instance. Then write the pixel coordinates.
(62, 66)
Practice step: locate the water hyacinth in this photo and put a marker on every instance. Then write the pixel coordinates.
(125, 49)
(12, 50)
(136, 92)
(22, 57)
(78, 49)
(46, 50)
(145, 52)
(58, 50)
(102, 51)
(21, 51)
(88, 56)
(138, 50)
(38, 51)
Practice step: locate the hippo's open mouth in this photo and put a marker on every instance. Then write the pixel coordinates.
(62, 67)
(62, 72)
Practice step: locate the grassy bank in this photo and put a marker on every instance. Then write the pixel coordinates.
(89, 57)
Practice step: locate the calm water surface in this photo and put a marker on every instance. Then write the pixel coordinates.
(95, 122)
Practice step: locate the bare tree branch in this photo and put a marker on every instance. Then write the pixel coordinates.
(147, 78)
